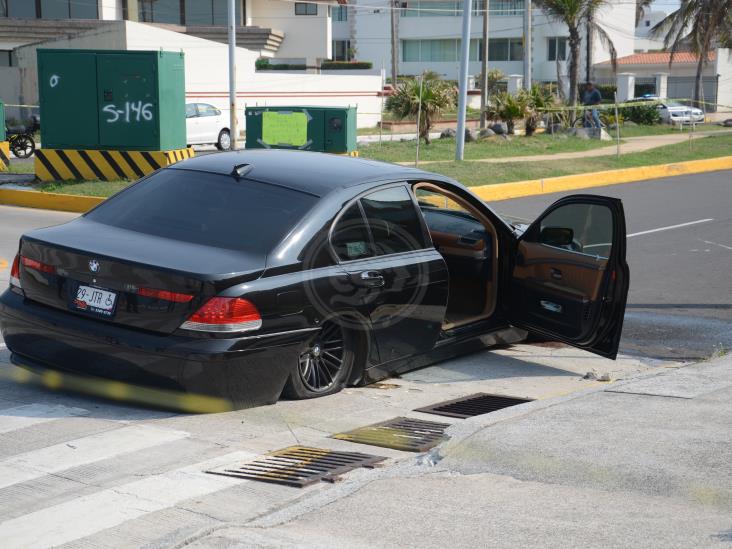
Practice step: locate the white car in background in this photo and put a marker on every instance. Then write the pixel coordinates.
(673, 112)
(206, 125)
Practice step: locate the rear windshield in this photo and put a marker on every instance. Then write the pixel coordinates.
(208, 209)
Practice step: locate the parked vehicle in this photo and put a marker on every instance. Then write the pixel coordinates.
(248, 274)
(20, 138)
(206, 125)
(673, 112)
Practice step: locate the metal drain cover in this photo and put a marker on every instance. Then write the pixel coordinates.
(473, 405)
(299, 466)
(401, 433)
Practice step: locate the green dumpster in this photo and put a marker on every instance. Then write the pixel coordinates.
(324, 129)
(113, 100)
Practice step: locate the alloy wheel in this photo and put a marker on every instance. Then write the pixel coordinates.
(322, 362)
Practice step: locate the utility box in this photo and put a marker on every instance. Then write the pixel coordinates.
(3, 136)
(324, 129)
(107, 99)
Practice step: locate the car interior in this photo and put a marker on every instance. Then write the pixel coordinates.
(468, 242)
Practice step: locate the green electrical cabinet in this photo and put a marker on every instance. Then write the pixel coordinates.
(106, 99)
(3, 137)
(324, 129)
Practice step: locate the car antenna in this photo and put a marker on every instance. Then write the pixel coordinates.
(240, 170)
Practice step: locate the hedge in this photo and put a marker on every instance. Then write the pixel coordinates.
(345, 65)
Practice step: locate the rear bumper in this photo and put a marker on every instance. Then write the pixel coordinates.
(246, 371)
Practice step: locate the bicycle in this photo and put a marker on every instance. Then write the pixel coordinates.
(20, 138)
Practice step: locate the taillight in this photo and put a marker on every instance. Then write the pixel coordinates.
(175, 297)
(15, 272)
(225, 314)
(37, 265)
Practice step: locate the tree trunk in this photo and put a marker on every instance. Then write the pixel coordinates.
(588, 62)
(394, 42)
(574, 59)
(698, 82)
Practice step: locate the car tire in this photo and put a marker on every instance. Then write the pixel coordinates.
(315, 374)
(224, 141)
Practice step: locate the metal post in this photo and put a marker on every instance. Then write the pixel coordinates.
(527, 45)
(419, 118)
(381, 112)
(617, 124)
(484, 67)
(232, 73)
(463, 83)
(394, 42)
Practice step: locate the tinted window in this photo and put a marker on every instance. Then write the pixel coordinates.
(591, 226)
(191, 110)
(208, 209)
(207, 110)
(393, 221)
(350, 237)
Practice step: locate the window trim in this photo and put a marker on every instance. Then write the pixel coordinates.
(405, 185)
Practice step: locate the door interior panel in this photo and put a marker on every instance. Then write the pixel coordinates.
(558, 287)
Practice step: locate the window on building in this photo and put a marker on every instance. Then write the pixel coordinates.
(6, 56)
(506, 7)
(188, 12)
(160, 11)
(505, 49)
(306, 8)
(342, 50)
(340, 13)
(49, 9)
(557, 48)
(439, 50)
(648, 23)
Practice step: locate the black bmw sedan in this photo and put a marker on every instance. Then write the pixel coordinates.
(254, 274)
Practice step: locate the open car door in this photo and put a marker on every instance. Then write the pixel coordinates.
(569, 277)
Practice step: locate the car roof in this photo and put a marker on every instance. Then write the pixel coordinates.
(311, 172)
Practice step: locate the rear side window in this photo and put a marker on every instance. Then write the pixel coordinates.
(207, 209)
(350, 237)
(394, 221)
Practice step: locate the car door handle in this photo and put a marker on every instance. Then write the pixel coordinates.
(372, 279)
(556, 273)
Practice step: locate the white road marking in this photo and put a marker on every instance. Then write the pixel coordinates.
(82, 451)
(12, 419)
(87, 515)
(671, 227)
(717, 244)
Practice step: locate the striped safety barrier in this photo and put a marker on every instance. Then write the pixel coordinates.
(69, 164)
(4, 156)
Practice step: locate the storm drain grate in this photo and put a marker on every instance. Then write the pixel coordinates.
(473, 405)
(401, 433)
(299, 466)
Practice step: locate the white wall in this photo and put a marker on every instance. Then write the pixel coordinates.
(206, 65)
(110, 10)
(724, 70)
(10, 91)
(306, 36)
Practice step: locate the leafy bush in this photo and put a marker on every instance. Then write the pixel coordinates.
(644, 114)
(607, 91)
(508, 108)
(264, 65)
(437, 96)
(345, 65)
(608, 118)
(537, 100)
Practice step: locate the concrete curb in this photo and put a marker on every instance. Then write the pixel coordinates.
(49, 201)
(504, 191)
(499, 191)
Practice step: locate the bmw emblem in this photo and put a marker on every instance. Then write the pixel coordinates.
(94, 266)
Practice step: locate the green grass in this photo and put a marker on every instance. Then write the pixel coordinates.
(84, 188)
(663, 129)
(495, 147)
(481, 173)
(20, 167)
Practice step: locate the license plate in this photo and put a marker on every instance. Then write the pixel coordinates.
(95, 300)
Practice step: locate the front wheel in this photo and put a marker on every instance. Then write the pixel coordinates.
(325, 364)
(224, 141)
(23, 146)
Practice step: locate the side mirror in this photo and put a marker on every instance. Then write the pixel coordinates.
(556, 236)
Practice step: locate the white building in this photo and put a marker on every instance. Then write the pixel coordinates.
(430, 30)
(644, 41)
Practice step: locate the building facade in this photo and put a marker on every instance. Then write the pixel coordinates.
(429, 36)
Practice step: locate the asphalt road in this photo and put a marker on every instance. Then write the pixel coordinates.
(680, 301)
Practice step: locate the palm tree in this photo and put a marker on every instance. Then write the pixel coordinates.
(437, 96)
(699, 25)
(592, 29)
(573, 13)
(640, 9)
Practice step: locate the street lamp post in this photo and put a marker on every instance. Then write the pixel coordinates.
(463, 82)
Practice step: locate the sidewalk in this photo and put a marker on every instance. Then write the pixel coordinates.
(643, 463)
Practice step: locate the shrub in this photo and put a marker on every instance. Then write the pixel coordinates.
(608, 118)
(645, 114)
(537, 100)
(508, 108)
(345, 65)
(607, 91)
(437, 96)
(265, 65)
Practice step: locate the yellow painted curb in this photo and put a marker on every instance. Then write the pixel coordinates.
(49, 201)
(518, 189)
(4, 155)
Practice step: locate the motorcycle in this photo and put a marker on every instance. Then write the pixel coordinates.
(20, 138)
